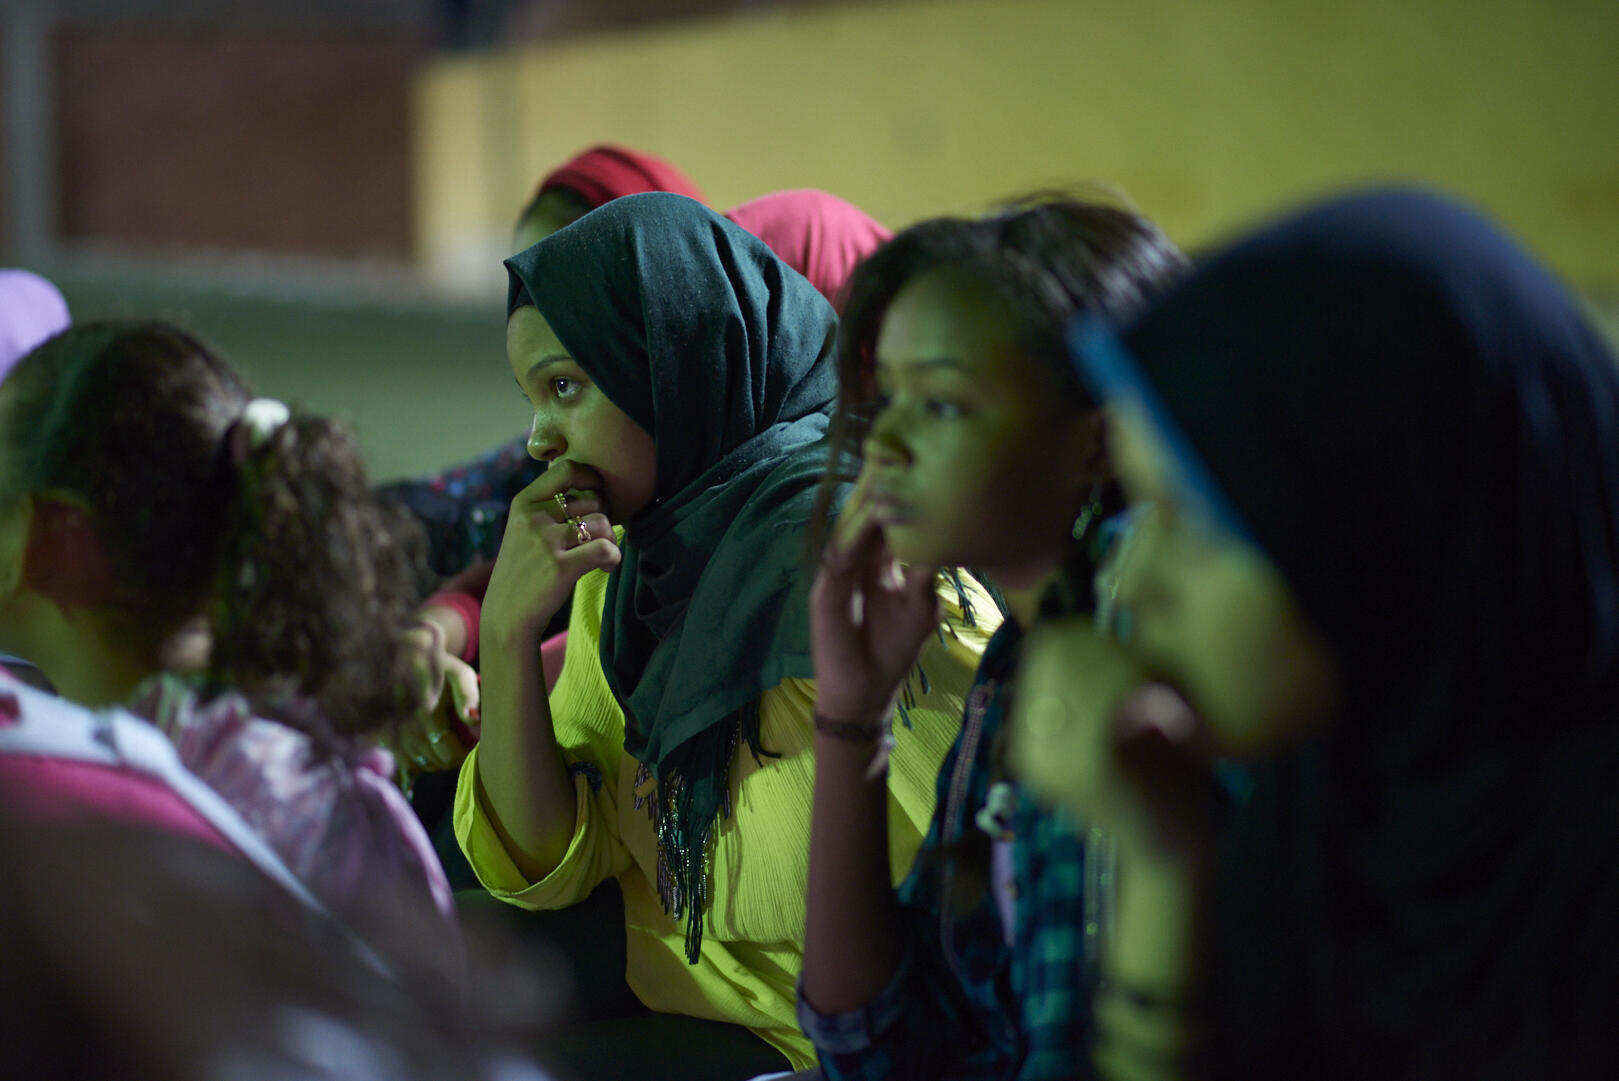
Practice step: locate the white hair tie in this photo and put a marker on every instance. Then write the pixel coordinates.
(260, 419)
(263, 417)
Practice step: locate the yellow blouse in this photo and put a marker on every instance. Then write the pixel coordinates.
(753, 932)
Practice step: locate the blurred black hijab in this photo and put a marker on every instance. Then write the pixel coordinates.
(723, 353)
(1414, 421)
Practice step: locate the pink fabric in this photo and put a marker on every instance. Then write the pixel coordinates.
(468, 608)
(814, 232)
(464, 594)
(60, 763)
(45, 789)
(552, 650)
(338, 822)
(607, 172)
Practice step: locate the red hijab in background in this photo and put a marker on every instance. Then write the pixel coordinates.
(814, 232)
(607, 172)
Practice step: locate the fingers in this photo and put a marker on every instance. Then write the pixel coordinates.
(426, 641)
(847, 576)
(1154, 719)
(856, 547)
(859, 576)
(579, 485)
(574, 503)
(1155, 707)
(581, 545)
(465, 691)
(919, 590)
(422, 745)
(591, 533)
(830, 601)
(573, 533)
(1163, 753)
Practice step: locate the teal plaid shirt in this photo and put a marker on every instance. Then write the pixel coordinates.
(964, 1004)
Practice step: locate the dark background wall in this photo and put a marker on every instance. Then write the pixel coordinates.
(244, 167)
(282, 140)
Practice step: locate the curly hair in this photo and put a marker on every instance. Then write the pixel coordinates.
(305, 579)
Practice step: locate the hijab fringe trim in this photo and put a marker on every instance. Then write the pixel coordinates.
(684, 815)
(684, 827)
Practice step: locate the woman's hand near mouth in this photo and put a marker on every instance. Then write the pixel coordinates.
(869, 616)
(557, 531)
(1092, 730)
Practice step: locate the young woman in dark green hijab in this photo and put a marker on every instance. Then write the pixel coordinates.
(680, 376)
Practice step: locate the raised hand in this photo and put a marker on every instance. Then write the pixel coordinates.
(1091, 730)
(426, 742)
(557, 531)
(869, 616)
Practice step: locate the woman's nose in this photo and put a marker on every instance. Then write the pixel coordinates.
(884, 445)
(545, 442)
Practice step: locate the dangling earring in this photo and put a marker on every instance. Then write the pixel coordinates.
(1089, 514)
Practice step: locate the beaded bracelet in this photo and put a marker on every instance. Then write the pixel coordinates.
(850, 731)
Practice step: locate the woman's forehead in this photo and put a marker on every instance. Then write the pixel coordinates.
(529, 334)
(941, 316)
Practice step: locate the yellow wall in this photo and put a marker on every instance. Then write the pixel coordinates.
(1208, 113)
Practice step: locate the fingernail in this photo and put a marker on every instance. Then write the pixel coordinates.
(472, 714)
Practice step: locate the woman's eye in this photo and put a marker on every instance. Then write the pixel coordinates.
(942, 409)
(565, 388)
(869, 409)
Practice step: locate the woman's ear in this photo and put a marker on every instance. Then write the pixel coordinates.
(64, 558)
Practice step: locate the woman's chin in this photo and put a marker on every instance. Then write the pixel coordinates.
(907, 544)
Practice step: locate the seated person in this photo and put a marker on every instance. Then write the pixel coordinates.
(680, 375)
(977, 446)
(172, 544)
(1375, 448)
(62, 763)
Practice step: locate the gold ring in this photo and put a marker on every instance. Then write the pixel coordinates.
(562, 502)
(581, 529)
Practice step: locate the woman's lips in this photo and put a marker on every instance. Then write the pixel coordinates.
(578, 474)
(578, 480)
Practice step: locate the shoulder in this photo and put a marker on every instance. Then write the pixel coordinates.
(969, 609)
(969, 618)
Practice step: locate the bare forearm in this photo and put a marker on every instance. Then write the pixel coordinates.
(521, 775)
(851, 946)
(1148, 1016)
(450, 621)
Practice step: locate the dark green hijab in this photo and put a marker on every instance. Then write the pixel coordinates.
(722, 352)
